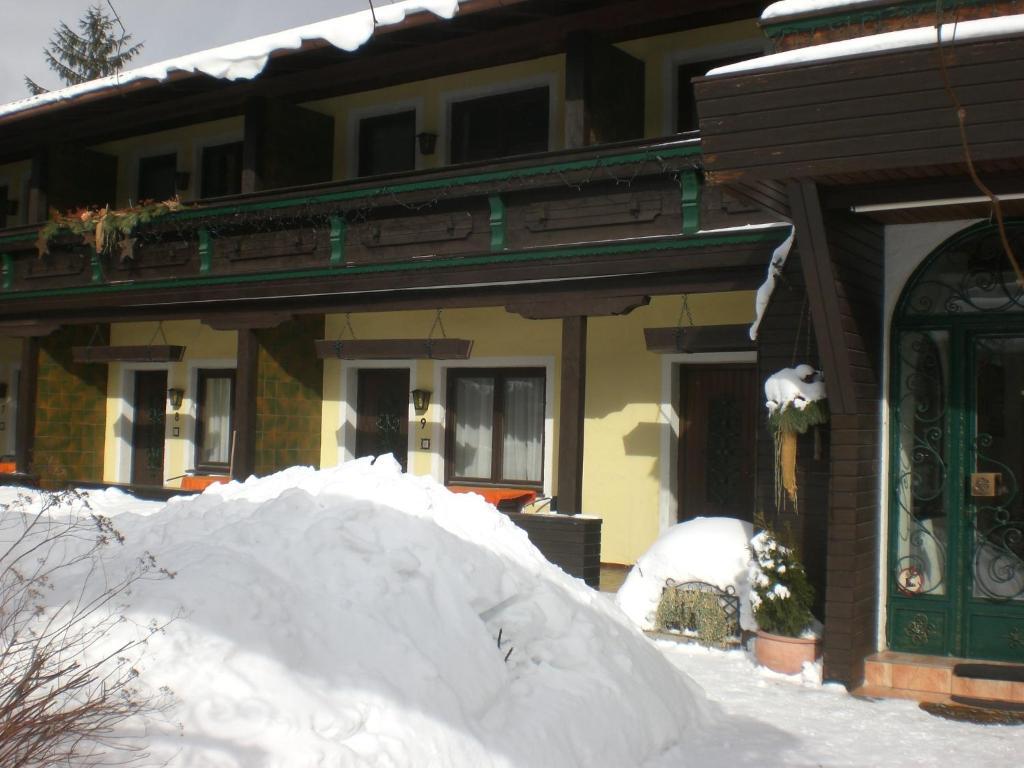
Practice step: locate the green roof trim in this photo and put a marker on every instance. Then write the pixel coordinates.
(773, 235)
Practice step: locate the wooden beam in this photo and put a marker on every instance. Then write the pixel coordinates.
(699, 338)
(25, 426)
(572, 409)
(394, 349)
(823, 298)
(239, 320)
(246, 374)
(158, 353)
(576, 306)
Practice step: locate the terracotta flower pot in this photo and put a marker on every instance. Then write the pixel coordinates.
(785, 654)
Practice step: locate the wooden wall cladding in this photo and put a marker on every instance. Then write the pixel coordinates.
(155, 258)
(573, 543)
(65, 266)
(889, 110)
(607, 211)
(293, 246)
(396, 234)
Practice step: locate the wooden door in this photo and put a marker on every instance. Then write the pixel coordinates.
(717, 424)
(382, 414)
(148, 428)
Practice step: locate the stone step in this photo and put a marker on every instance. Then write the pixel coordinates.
(933, 678)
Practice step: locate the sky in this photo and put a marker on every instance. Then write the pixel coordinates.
(167, 29)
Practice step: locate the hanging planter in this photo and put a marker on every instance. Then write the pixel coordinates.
(429, 348)
(795, 398)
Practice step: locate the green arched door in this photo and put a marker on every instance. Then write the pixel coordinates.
(956, 511)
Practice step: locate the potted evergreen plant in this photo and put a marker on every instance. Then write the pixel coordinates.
(781, 597)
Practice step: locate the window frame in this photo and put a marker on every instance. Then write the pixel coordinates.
(453, 99)
(151, 158)
(202, 376)
(498, 375)
(220, 147)
(379, 117)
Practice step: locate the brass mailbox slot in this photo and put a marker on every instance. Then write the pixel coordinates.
(985, 484)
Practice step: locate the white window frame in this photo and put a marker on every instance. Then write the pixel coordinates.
(449, 98)
(441, 368)
(356, 116)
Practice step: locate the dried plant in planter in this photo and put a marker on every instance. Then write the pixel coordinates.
(696, 611)
(795, 398)
(66, 683)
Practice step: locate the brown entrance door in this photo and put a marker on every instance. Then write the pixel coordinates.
(717, 423)
(382, 414)
(148, 428)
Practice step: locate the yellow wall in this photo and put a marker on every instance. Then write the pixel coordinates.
(202, 344)
(187, 142)
(497, 335)
(15, 176)
(430, 98)
(624, 418)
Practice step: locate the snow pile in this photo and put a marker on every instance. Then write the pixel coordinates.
(246, 59)
(711, 549)
(767, 288)
(796, 387)
(361, 617)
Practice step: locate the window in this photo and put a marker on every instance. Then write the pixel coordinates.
(495, 429)
(215, 405)
(686, 103)
(3, 206)
(498, 126)
(387, 143)
(156, 177)
(221, 170)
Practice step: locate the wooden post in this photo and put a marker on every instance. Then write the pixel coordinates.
(247, 364)
(571, 415)
(38, 182)
(25, 427)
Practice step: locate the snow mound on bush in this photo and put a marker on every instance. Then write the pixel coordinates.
(711, 549)
(351, 617)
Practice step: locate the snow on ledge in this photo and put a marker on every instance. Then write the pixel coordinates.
(246, 59)
(764, 292)
(794, 387)
(800, 7)
(977, 29)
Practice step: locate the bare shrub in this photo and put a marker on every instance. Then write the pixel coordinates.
(68, 652)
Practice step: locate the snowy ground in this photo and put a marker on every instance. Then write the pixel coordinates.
(351, 618)
(775, 720)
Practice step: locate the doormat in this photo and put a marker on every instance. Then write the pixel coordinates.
(1014, 674)
(969, 714)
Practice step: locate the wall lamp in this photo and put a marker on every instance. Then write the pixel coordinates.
(421, 400)
(175, 396)
(427, 142)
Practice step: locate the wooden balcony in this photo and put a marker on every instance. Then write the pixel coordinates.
(627, 215)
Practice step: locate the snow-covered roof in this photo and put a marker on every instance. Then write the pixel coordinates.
(246, 59)
(976, 29)
(800, 7)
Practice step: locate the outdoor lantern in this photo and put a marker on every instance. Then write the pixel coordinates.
(420, 400)
(427, 142)
(175, 395)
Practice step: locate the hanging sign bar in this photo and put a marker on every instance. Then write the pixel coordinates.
(699, 338)
(394, 349)
(160, 353)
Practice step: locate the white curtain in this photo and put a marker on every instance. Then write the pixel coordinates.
(216, 448)
(474, 423)
(523, 441)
